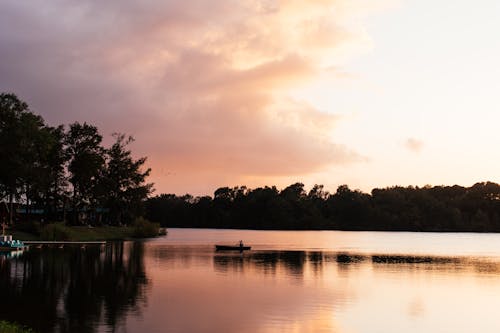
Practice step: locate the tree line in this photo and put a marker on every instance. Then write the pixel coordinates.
(65, 172)
(429, 208)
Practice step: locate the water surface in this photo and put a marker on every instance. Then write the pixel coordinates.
(304, 281)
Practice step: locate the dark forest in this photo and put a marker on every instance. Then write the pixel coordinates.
(429, 208)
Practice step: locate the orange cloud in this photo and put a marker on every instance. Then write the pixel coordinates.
(201, 85)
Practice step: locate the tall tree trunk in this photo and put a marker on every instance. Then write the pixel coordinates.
(75, 214)
(64, 210)
(11, 204)
(27, 210)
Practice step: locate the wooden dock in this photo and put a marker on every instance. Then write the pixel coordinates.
(62, 244)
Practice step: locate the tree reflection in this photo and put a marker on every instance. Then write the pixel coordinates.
(316, 260)
(73, 289)
(296, 263)
(292, 262)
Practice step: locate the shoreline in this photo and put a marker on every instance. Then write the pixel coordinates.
(60, 232)
(347, 230)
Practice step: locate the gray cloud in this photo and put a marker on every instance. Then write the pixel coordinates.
(414, 145)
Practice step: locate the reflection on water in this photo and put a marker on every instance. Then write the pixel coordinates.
(72, 289)
(295, 263)
(162, 286)
(319, 291)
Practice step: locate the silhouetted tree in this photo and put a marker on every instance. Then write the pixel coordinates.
(123, 184)
(13, 112)
(32, 167)
(37, 161)
(86, 166)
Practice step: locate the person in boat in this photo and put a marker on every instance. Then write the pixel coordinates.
(241, 245)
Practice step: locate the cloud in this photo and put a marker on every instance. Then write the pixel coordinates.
(414, 145)
(202, 85)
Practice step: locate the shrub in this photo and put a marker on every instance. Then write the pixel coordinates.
(144, 228)
(6, 327)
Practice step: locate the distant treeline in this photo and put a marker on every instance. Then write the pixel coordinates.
(65, 173)
(436, 208)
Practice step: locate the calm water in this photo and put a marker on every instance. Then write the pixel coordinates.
(313, 281)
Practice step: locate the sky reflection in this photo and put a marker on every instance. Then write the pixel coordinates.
(157, 286)
(319, 291)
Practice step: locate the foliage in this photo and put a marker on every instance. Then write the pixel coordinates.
(20, 135)
(56, 174)
(438, 208)
(7, 327)
(86, 165)
(144, 228)
(123, 183)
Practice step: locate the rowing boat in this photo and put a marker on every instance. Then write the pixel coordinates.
(231, 248)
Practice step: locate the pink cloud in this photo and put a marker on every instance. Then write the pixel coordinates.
(201, 85)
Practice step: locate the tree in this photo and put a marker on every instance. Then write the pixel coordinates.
(37, 161)
(24, 147)
(318, 193)
(86, 166)
(124, 182)
(11, 111)
(32, 168)
(294, 192)
(34, 148)
(52, 183)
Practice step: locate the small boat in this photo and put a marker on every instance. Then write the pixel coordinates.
(232, 248)
(8, 244)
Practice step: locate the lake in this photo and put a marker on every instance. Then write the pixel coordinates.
(291, 281)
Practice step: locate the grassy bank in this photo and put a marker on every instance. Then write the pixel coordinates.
(6, 327)
(60, 232)
(71, 233)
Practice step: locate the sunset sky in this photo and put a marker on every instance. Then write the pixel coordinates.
(262, 92)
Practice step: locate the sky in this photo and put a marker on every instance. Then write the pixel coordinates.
(268, 92)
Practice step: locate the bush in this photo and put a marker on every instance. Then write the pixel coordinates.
(55, 232)
(6, 327)
(144, 228)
